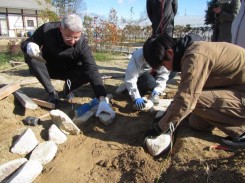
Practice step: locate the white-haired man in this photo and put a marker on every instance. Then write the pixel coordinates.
(68, 56)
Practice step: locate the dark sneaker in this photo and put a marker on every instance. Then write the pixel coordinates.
(236, 142)
(53, 98)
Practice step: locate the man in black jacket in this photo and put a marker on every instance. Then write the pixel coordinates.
(161, 14)
(68, 56)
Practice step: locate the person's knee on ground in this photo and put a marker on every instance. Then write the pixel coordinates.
(40, 71)
(145, 83)
(198, 123)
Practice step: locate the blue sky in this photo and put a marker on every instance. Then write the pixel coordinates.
(102, 7)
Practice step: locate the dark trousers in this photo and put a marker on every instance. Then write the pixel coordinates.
(145, 83)
(43, 72)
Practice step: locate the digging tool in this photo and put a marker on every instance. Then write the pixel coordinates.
(34, 121)
(86, 107)
(71, 95)
(219, 147)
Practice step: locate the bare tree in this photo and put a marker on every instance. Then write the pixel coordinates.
(64, 7)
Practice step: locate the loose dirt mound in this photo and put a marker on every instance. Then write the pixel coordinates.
(114, 153)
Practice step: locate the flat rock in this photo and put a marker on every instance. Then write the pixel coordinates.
(162, 106)
(85, 117)
(56, 135)
(27, 173)
(64, 122)
(105, 118)
(26, 142)
(44, 152)
(8, 168)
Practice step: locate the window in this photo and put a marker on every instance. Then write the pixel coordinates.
(30, 23)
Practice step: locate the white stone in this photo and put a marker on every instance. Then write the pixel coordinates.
(105, 118)
(158, 145)
(64, 122)
(85, 117)
(27, 173)
(148, 105)
(162, 106)
(8, 168)
(56, 135)
(25, 143)
(44, 152)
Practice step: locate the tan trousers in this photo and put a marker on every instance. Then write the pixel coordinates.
(224, 109)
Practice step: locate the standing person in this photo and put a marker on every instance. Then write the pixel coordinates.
(211, 91)
(68, 56)
(238, 27)
(161, 14)
(141, 78)
(225, 11)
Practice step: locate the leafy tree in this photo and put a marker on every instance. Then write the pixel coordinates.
(64, 7)
(47, 14)
(88, 28)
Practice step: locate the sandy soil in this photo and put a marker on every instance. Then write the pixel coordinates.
(114, 153)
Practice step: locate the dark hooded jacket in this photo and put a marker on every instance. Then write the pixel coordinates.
(161, 14)
(181, 45)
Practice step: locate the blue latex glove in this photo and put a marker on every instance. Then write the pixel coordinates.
(140, 103)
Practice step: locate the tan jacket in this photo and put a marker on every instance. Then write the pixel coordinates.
(205, 66)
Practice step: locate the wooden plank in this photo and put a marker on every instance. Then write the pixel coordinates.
(29, 81)
(14, 67)
(8, 89)
(44, 103)
(25, 100)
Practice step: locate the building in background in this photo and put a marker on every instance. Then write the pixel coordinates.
(20, 17)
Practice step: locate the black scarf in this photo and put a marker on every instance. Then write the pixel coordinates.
(180, 47)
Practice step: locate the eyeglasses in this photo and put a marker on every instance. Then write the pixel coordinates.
(71, 38)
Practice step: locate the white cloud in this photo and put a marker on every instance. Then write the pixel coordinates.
(120, 1)
(131, 1)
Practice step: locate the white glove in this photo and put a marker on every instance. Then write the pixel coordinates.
(104, 107)
(33, 49)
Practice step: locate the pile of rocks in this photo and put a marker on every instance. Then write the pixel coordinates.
(27, 170)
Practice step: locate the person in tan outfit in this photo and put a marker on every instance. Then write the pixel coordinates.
(212, 88)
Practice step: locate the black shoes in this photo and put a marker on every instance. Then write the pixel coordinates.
(236, 142)
(54, 98)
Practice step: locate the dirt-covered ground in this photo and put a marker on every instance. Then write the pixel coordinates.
(114, 153)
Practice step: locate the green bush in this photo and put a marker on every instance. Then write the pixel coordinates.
(6, 57)
(103, 56)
